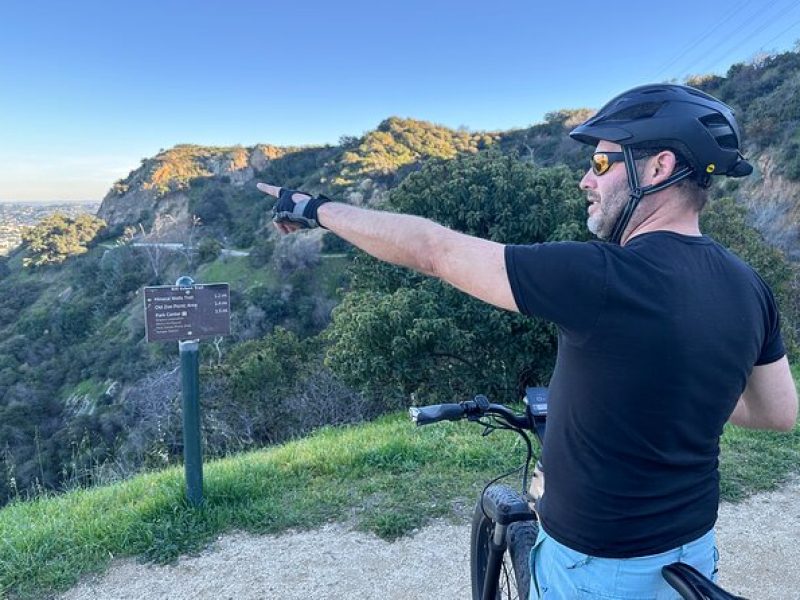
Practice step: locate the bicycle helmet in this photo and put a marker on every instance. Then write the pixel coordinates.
(700, 128)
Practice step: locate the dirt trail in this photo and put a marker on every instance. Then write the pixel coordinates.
(759, 542)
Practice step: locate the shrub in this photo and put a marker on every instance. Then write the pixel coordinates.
(333, 244)
(58, 237)
(298, 251)
(399, 333)
(208, 249)
(261, 251)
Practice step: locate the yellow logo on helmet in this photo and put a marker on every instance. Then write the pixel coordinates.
(710, 168)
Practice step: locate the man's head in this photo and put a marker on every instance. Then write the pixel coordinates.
(607, 190)
(662, 136)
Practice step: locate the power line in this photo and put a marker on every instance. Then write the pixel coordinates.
(761, 24)
(703, 37)
(748, 19)
(788, 8)
(754, 18)
(795, 24)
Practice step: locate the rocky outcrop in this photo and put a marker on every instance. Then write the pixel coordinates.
(159, 186)
(774, 204)
(366, 192)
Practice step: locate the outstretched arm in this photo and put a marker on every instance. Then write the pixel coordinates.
(473, 265)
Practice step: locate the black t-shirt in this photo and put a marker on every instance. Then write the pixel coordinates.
(656, 342)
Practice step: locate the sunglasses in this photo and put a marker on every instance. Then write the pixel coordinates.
(602, 161)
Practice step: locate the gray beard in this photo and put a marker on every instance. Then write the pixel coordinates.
(602, 222)
(595, 224)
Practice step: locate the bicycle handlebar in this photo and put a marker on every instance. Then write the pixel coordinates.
(425, 415)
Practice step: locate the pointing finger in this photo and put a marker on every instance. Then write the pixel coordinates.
(272, 190)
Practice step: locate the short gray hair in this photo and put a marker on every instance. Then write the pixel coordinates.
(692, 189)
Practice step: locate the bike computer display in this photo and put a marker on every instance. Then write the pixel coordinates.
(536, 400)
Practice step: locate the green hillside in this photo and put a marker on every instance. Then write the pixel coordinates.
(321, 334)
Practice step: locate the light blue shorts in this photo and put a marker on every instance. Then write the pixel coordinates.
(558, 572)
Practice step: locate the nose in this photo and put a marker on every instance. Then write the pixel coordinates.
(588, 182)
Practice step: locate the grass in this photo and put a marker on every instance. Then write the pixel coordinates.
(387, 477)
(756, 461)
(88, 387)
(236, 271)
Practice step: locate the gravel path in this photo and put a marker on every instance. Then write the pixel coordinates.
(759, 543)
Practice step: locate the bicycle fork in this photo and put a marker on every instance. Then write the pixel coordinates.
(497, 547)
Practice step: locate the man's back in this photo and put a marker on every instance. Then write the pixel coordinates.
(657, 340)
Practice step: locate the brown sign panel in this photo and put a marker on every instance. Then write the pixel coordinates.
(187, 313)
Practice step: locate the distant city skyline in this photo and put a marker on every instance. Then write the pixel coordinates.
(46, 201)
(91, 88)
(16, 216)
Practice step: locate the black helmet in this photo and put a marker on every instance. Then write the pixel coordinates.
(676, 117)
(695, 125)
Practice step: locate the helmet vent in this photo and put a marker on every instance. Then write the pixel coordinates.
(700, 94)
(645, 110)
(721, 131)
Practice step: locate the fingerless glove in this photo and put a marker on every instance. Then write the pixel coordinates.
(303, 212)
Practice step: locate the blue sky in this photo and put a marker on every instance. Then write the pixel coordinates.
(89, 88)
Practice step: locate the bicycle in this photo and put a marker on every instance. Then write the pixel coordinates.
(505, 524)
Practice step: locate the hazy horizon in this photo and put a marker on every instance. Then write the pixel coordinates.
(12, 201)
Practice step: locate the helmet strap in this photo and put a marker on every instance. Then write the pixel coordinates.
(637, 192)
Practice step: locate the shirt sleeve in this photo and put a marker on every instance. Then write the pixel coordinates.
(563, 282)
(773, 347)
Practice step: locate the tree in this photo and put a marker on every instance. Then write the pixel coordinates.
(153, 241)
(299, 251)
(208, 249)
(57, 237)
(400, 333)
(212, 207)
(261, 252)
(192, 227)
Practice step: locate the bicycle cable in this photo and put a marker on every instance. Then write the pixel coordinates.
(492, 482)
(498, 424)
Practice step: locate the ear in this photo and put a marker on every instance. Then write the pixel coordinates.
(661, 166)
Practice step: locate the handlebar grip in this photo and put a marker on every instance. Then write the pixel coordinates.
(424, 415)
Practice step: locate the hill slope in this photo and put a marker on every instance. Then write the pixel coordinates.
(84, 398)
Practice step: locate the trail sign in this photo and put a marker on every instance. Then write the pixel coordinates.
(191, 312)
(187, 312)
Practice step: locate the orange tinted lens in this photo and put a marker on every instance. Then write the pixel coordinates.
(600, 163)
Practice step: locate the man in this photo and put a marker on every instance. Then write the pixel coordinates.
(663, 337)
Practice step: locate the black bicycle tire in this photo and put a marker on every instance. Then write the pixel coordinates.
(520, 537)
